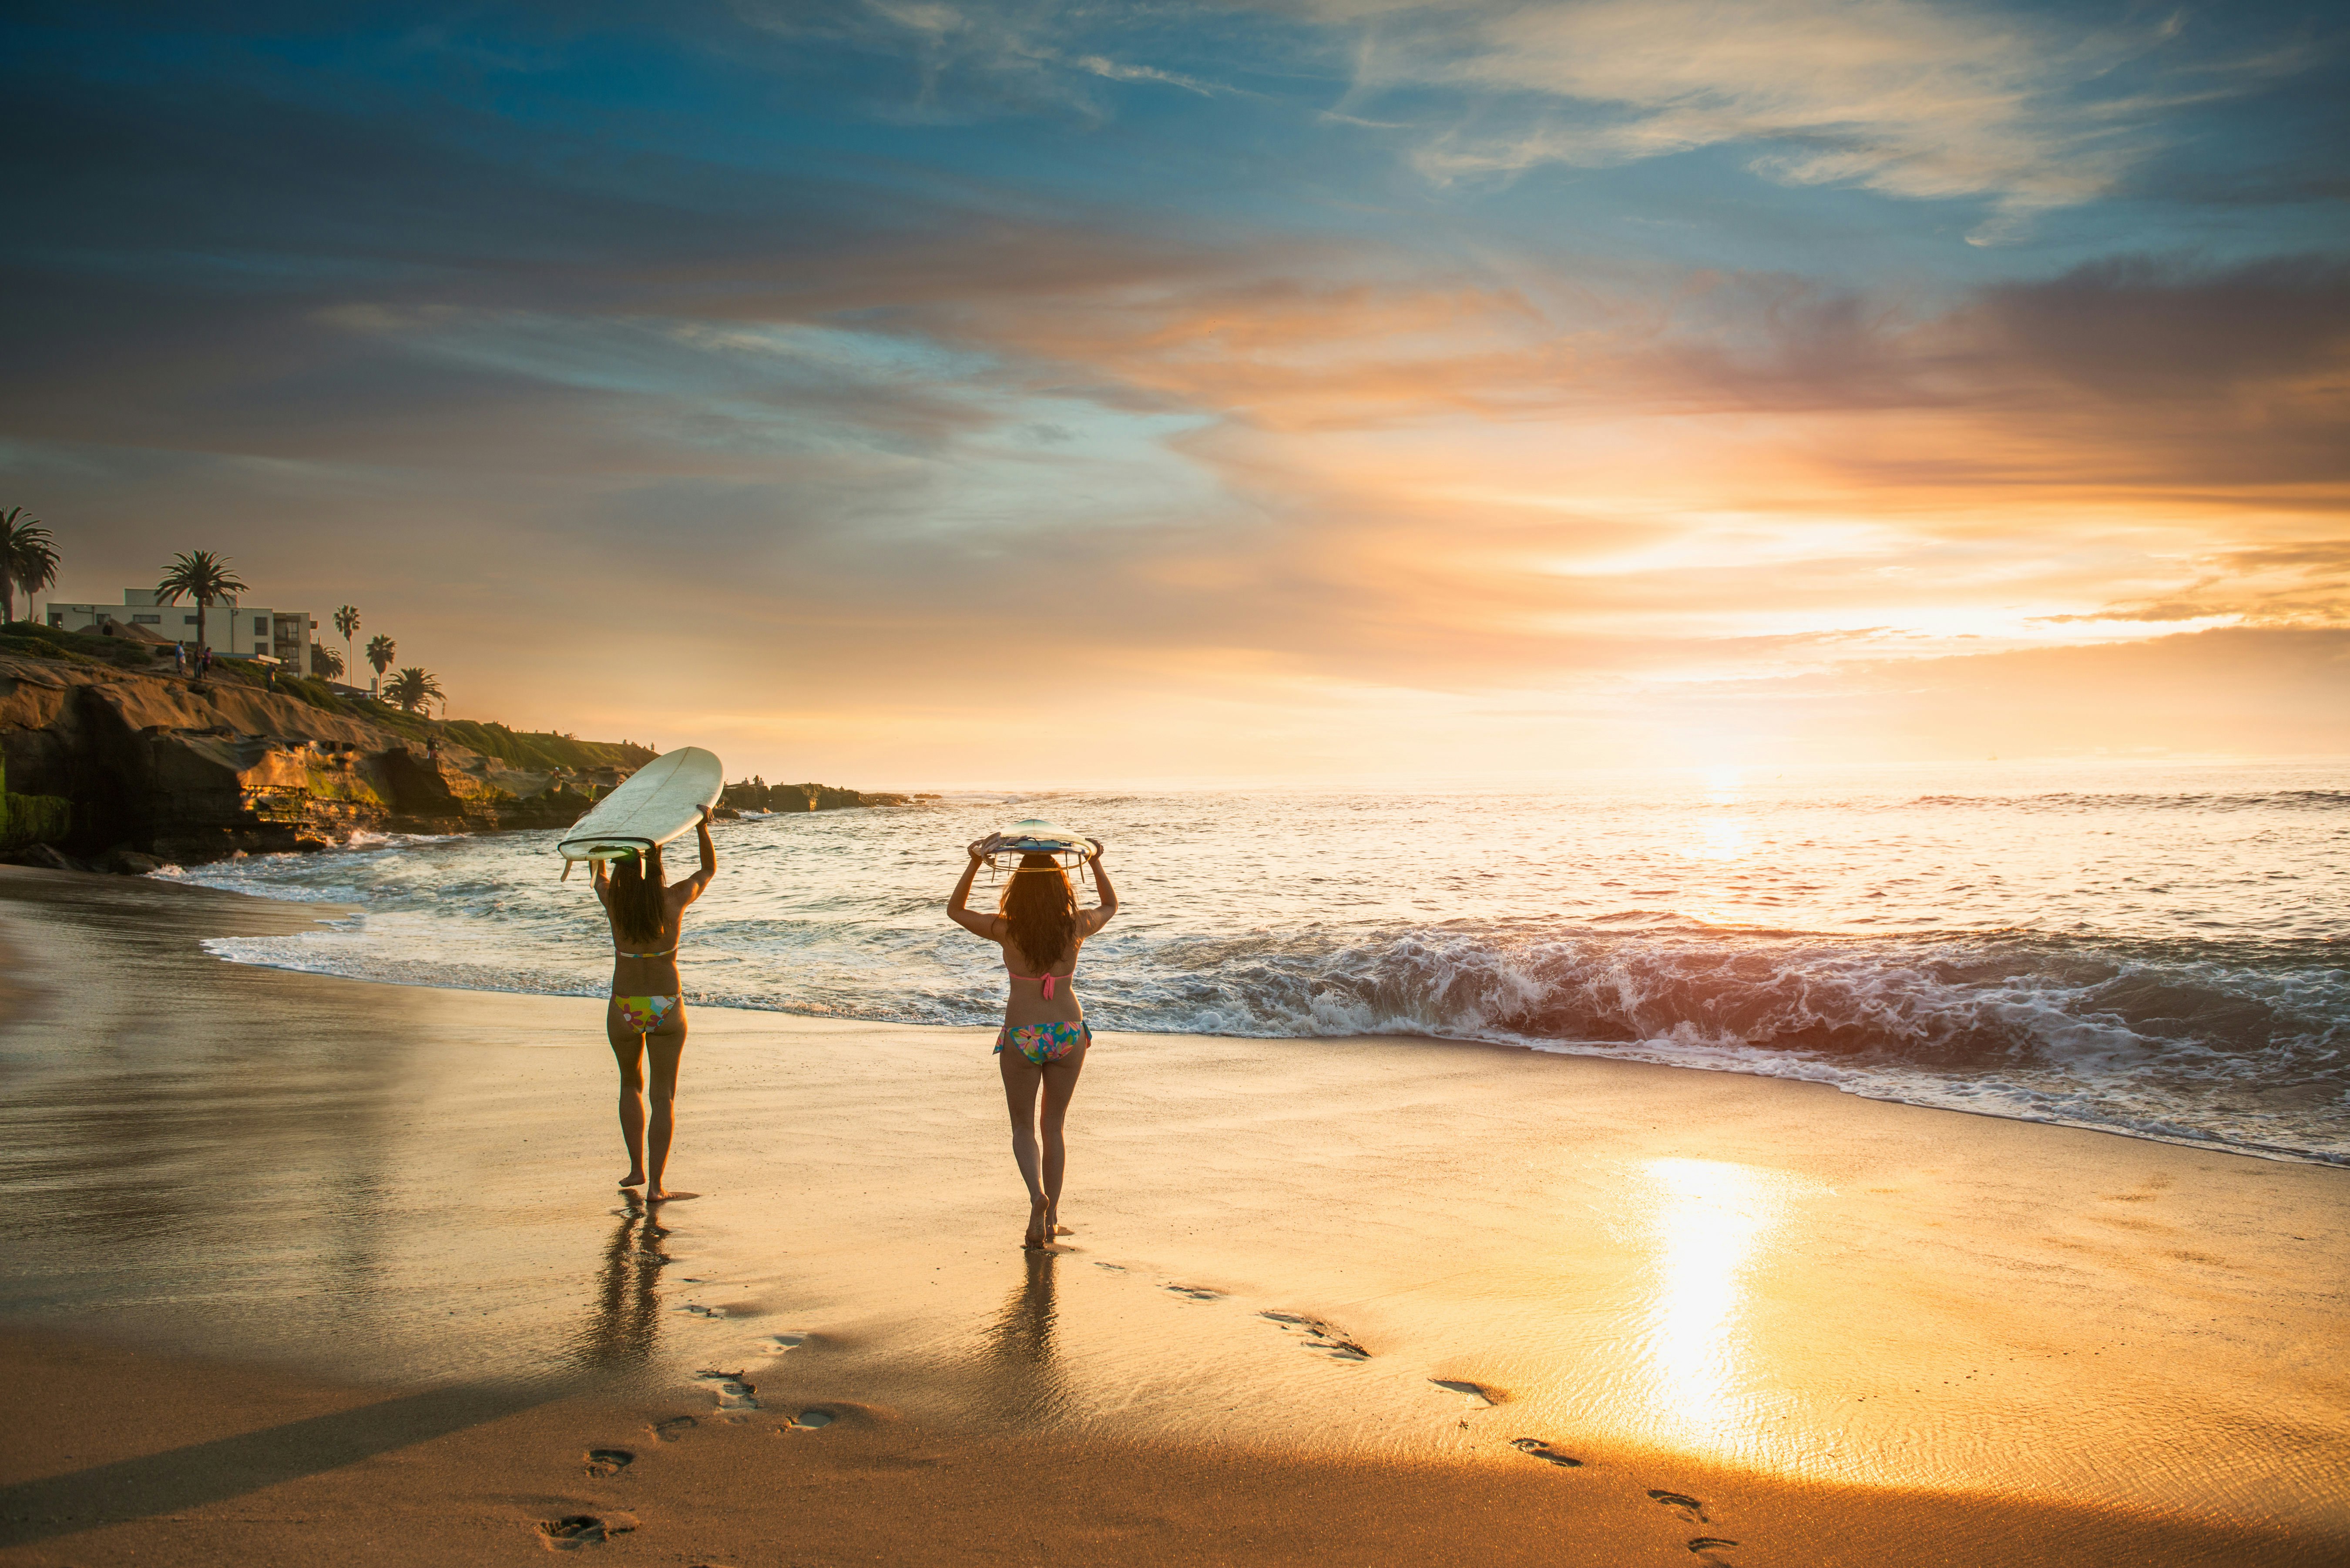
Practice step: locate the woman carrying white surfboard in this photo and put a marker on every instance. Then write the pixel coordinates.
(1044, 1036)
(648, 1013)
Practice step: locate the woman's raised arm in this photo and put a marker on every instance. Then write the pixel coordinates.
(959, 902)
(1100, 913)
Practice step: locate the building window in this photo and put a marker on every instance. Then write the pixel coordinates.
(260, 623)
(147, 619)
(56, 617)
(187, 620)
(260, 648)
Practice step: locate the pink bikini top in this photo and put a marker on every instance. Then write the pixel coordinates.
(1047, 978)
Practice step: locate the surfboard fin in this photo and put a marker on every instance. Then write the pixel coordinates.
(567, 864)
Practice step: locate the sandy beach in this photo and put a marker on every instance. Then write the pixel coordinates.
(304, 1268)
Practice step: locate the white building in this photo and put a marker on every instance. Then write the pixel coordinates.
(233, 629)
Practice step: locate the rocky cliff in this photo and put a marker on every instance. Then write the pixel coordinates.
(129, 768)
(156, 766)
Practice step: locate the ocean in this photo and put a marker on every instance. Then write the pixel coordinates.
(2152, 949)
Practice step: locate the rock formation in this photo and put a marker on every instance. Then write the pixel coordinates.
(758, 795)
(130, 769)
(153, 765)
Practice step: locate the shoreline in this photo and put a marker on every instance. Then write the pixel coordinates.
(1830, 1075)
(1852, 1330)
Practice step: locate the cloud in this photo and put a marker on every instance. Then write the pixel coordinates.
(2022, 110)
(2143, 328)
(830, 423)
(1116, 72)
(2240, 692)
(976, 57)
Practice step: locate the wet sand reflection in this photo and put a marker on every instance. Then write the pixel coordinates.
(1020, 1376)
(624, 1321)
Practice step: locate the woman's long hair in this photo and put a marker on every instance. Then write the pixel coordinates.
(639, 913)
(1042, 909)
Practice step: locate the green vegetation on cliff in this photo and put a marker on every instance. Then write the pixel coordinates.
(540, 750)
(32, 818)
(30, 641)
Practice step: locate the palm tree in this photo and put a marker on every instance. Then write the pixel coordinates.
(346, 621)
(380, 653)
(326, 662)
(412, 688)
(28, 559)
(203, 577)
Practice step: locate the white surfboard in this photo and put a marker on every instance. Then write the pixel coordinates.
(654, 805)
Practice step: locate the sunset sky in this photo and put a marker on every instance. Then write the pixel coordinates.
(943, 393)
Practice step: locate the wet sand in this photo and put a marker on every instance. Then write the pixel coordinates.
(302, 1265)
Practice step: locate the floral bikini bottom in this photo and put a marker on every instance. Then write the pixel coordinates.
(643, 1014)
(1043, 1042)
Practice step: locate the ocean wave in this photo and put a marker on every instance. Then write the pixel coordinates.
(2252, 1050)
(2061, 800)
(2253, 1047)
(2179, 975)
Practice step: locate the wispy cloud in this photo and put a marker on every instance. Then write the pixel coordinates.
(1022, 54)
(2024, 110)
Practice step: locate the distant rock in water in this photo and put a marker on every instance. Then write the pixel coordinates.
(126, 769)
(758, 795)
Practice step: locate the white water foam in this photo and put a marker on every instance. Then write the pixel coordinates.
(2165, 961)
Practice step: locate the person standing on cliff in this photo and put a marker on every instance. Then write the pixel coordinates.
(180, 658)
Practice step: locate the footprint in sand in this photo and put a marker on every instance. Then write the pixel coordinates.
(578, 1530)
(676, 1427)
(777, 1344)
(1706, 1546)
(1688, 1507)
(1113, 1268)
(606, 1462)
(808, 1421)
(1480, 1398)
(1196, 1293)
(1538, 1448)
(734, 1393)
(1319, 1336)
(697, 1309)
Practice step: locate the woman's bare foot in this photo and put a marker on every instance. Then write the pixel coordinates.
(1039, 1227)
(635, 1178)
(663, 1195)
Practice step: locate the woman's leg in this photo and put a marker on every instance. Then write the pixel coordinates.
(628, 1048)
(667, 1045)
(1021, 1077)
(1060, 1086)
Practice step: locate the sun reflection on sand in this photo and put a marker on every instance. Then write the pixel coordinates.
(1712, 1220)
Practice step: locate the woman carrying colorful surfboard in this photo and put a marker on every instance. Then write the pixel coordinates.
(1044, 1039)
